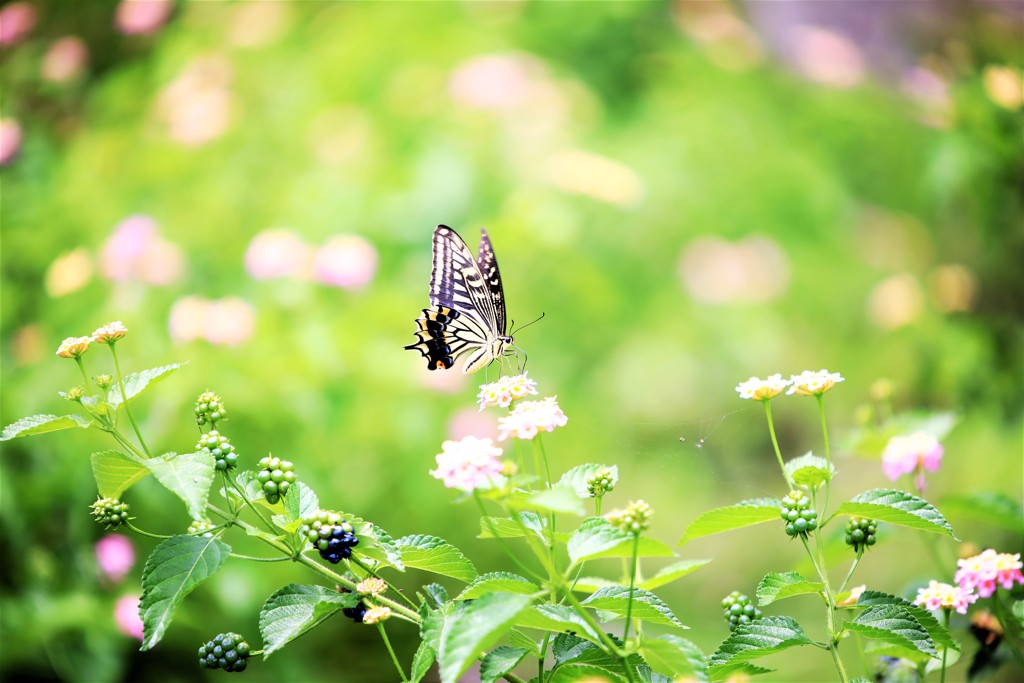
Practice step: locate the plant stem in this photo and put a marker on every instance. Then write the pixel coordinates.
(391, 651)
(609, 644)
(501, 541)
(144, 533)
(126, 443)
(833, 643)
(369, 570)
(124, 400)
(775, 441)
(824, 428)
(259, 559)
(632, 588)
(85, 377)
(945, 622)
(245, 498)
(853, 566)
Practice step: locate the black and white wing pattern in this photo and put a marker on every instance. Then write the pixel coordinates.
(467, 316)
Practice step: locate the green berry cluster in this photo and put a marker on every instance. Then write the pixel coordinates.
(861, 533)
(600, 482)
(739, 610)
(276, 477)
(329, 534)
(799, 515)
(227, 651)
(635, 519)
(209, 408)
(217, 445)
(200, 528)
(110, 512)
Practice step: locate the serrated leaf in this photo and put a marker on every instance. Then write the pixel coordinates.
(557, 618)
(500, 661)
(893, 624)
(809, 470)
(897, 507)
(572, 673)
(188, 476)
(520, 639)
(375, 543)
(775, 586)
(115, 472)
(137, 382)
(676, 570)
(756, 639)
(433, 554)
(556, 499)
(939, 634)
(675, 657)
(300, 501)
(566, 648)
(421, 662)
(173, 570)
(507, 527)
(297, 609)
(646, 605)
(576, 478)
(745, 513)
(988, 507)
(476, 628)
(498, 582)
(41, 424)
(589, 584)
(596, 538)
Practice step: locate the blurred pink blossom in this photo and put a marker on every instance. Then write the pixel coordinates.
(126, 616)
(115, 556)
(277, 253)
(10, 140)
(225, 322)
(348, 261)
(136, 251)
(468, 422)
(827, 57)
(16, 21)
(989, 570)
(469, 463)
(751, 270)
(493, 81)
(141, 17)
(65, 60)
(915, 453)
(197, 105)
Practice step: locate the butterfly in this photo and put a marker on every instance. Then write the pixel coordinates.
(467, 314)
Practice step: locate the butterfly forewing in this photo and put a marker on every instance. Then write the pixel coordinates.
(456, 280)
(488, 265)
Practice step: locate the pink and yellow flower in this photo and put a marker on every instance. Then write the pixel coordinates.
(809, 383)
(468, 464)
(944, 596)
(73, 347)
(506, 390)
(115, 556)
(762, 389)
(915, 453)
(110, 332)
(989, 570)
(530, 418)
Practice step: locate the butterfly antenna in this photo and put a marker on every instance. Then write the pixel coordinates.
(541, 317)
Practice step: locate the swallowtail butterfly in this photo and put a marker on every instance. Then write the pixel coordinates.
(467, 314)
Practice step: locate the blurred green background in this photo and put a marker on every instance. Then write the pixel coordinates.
(693, 193)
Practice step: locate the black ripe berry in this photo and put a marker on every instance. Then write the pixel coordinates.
(331, 535)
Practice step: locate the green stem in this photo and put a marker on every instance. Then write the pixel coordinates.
(542, 656)
(369, 570)
(544, 455)
(501, 541)
(126, 443)
(597, 505)
(945, 622)
(824, 427)
(775, 441)
(853, 566)
(85, 377)
(260, 559)
(551, 516)
(391, 651)
(632, 588)
(830, 614)
(124, 400)
(245, 499)
(144, 533)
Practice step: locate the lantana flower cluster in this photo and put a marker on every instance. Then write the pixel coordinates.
(529, 418)
(506, 390)
(807, 383)
(73, 347)
(914, 453)
(944, 596)
(468, 464)
(989, 570)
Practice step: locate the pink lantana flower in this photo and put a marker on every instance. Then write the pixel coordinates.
(944, 596)
(506, 390)
(126, 616)
(915, 453)
(468, 464)
(989, 570)
(530, 418)
(115, 556)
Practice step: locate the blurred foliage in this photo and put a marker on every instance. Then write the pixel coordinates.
(693, 193)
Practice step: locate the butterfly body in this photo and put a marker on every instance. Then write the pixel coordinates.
(467, 314)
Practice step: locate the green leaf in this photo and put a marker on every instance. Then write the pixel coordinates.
(301, 501)
(674, 657)
(939, 634)
(375, 543)
(433, 554)
(775, 586)
(646, 605)
(115, 472)
(188, 476)
(893, 624)
(736, 516)
(557, 618)
(41, 424)
(507, 527)
(500, 661)
(556, 499)
(809, 470)
(590, 584)
(756, 639)
(422, 661)
(474, 629)
(137, 382)
(520, 639)
(596, 537)
(297, 609)
(566, 648)
(498, 582)
(576, 478)
(988, 507)
(173, 570)
(571, 673)
(676, 570)
(897, 507)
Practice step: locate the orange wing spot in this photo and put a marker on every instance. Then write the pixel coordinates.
(441, 364)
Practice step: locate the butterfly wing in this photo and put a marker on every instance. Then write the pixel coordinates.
(457, 282)
(488, 265)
